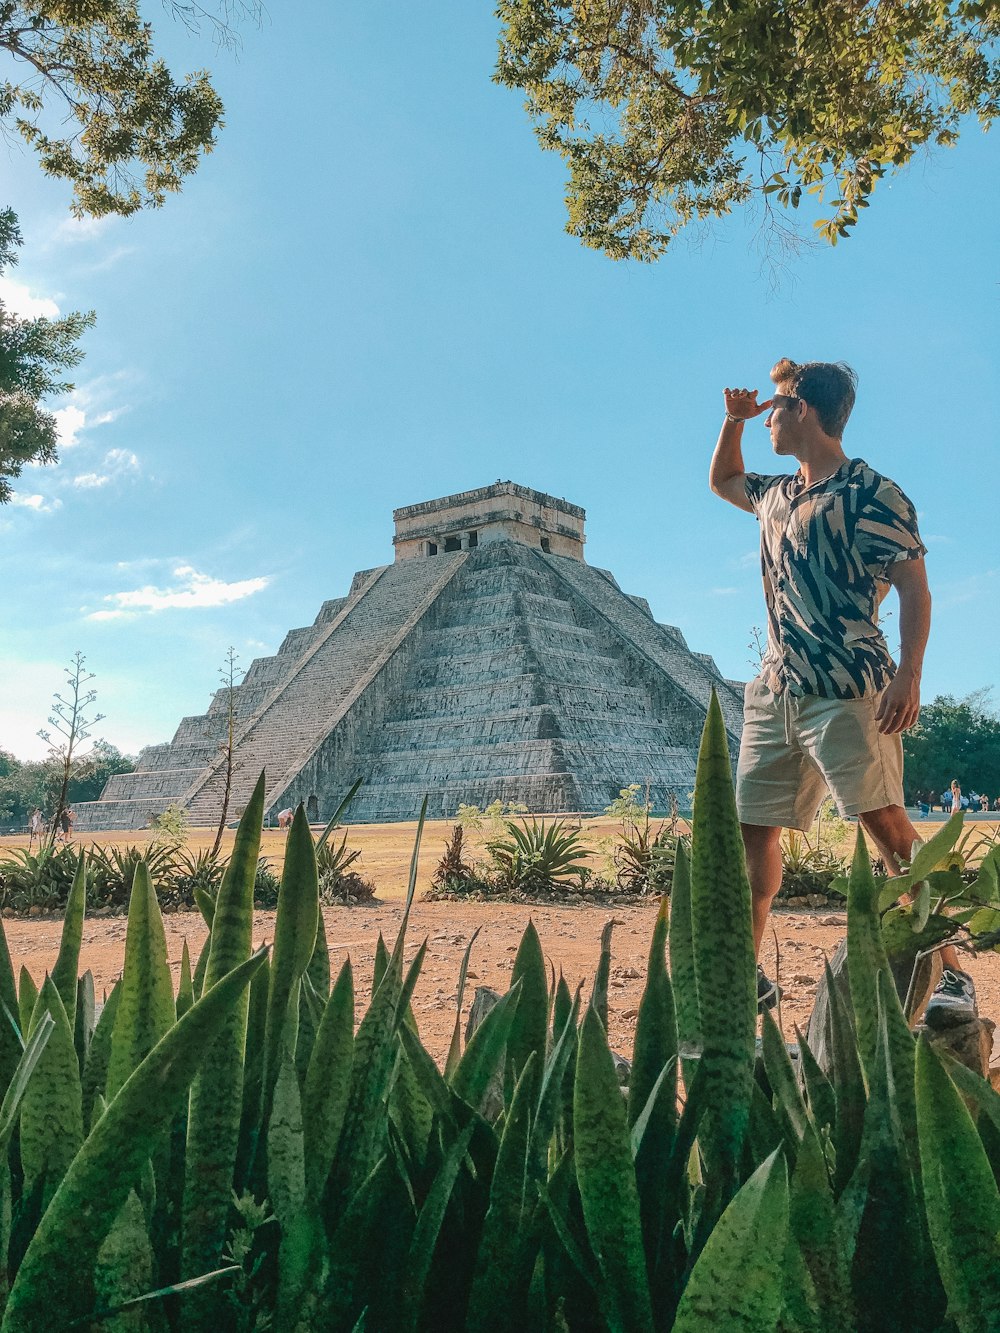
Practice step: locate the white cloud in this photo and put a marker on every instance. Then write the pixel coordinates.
(74, 230)
(194, 591)
(20, 301)
(116, 464)
(38, 503)
(69, 422)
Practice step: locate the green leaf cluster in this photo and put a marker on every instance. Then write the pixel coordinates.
(667, 114)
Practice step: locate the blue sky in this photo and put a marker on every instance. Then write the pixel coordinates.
(366, 298)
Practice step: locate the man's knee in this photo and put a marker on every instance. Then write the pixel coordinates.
(758, 839)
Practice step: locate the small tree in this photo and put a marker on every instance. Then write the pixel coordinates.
(230, 675)
(70, 719)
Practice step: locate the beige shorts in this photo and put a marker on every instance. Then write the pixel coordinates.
(796, 749)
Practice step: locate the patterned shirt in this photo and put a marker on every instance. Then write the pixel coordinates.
(825, 553)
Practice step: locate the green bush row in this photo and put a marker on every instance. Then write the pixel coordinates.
(242, 1155)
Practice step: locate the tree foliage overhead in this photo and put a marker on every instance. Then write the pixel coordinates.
(955, 738)
(81, 84)
(34, 354)
(670, 113)
(89, 96)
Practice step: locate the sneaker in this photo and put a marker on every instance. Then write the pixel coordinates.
(768, 992)
(952, 1002)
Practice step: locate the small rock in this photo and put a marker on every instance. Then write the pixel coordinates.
(629, 1015)
(816, 899)
(833, 920)
(616, 984)
(796, 902)
(802, 979)
(34, 910)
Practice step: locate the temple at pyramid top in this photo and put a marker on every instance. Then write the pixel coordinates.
(501, 512)
(487, 662)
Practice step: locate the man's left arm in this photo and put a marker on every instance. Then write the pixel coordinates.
(899, 706)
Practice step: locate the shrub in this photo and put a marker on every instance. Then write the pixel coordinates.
(39, 878)
(171, 825)
(536, 857)
(113, 870)
(266, 885)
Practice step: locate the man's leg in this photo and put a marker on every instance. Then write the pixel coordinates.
(894, 836)
(763, 849)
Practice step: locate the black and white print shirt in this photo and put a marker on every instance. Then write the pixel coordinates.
(825, 553)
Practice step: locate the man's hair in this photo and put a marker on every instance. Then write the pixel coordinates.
(827, 386)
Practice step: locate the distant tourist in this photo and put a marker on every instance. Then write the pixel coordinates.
(833, 534)
(35, 825)
(285, 818)
(956, 796)
(66, 822)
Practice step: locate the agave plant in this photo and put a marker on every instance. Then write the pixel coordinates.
(40, 878)
(113, 869)
(536, 856)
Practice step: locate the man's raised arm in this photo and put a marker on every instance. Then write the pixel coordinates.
(727, 474)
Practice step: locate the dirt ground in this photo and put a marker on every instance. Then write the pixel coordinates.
(570, 936)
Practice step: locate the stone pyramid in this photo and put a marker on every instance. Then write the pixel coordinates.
(488, 662)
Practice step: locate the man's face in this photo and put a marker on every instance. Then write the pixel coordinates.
(783, 420)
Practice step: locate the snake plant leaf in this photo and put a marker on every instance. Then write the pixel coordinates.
(984, 1100)
(485, 1050)
(866, 955)
(602, 977)
(95, 1071)
(606, 1178)
(318, 970)
(894, 1281)
(86, 1015)
(502, 1273)
(286, 1188)
(725, 966)
(820, 1096)
(529, 1031)
(10, 1108)
(730, 1288)
(27, 998)
(185, 984)
(67, 964)
(205, 903)
(813, 1222)
(52, 1105)
(201, 967)
(455, 1047)
(215, 1109)
(363, 1129)
(551, 1094)
(681, 946)
(961, 1198)
(146, 1009)
(848, 1080)
(106, 1168)
(294, 941)
(784, 1083)
(10, 1027)
(123, 1269)
(328, 1082)
(411, 1112)
(655, 1031)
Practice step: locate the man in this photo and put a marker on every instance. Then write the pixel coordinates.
(828, 708)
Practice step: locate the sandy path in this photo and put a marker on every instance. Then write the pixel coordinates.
(570, 938)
